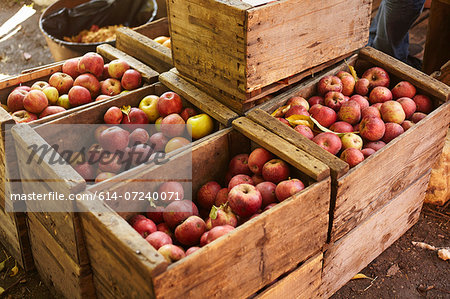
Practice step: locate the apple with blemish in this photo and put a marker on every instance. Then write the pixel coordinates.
(275, 171)
(392, 111)
(372, 128)
(352, 156)
(380, 94)
(334, 100)
(393, 130)
(91, 63)
(362, 86)
(348, 82)
(329, 83)
(78, 96)
(403, 89)
(35, 101)
(408, 105)
(341, 127)
(70, 67)
(329, 142)
(323, 114)
(286, 189)
(423, 103)
(131, 79)
(90, 82)
(111, 87)
(377, 77)
(305, 131)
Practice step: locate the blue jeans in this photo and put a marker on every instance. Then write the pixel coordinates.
(389, 28)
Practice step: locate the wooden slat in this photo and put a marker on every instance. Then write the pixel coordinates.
(250, 250)
(197, 97)
(56, 268)
(397, 68)
(303, 282)
(358, 248)
(311, 31)
(118, 253)
(286, 151)
(403, 161)
(338, 168)
(148, 74)
(139, 43)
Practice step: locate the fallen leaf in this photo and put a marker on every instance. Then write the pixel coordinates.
(361, 276)
(14, 270)
(444, 254)
(2, 290)
(424, 245)
(213, 213)
(296, 119)
(352, 71)
(393, 270)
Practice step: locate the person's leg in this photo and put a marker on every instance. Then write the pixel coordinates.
(394, 21)
(374, 25)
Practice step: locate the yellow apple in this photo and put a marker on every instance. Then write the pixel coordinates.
(63, 101)
(160, 39)
(200, 125)
(158, 123)
(124, 91)
(175, 143)
(149, 105)
(52, 95)
(167, 44)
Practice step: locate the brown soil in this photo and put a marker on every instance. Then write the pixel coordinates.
(420, 273)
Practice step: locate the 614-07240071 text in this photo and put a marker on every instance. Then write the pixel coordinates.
(104, 196)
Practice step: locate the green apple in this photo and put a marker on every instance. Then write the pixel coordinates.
(63, 101)
(149, 105)
(52, 95)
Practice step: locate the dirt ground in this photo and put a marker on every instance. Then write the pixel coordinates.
(402, 271)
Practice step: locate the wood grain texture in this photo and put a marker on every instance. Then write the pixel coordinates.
(139, 43)
(312, 32)
(408, 157)
(197, 97)
(338, 168)
(58, 270)
(149, 75)
(303, 282)
(286, 151)
(358, 248)
(250, 249)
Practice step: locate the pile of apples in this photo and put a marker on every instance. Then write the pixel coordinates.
(130, 142)
(81, 81)
(163, 40)
(254, 184)
(356, 117)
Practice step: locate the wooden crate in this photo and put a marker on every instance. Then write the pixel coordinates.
(353, 252)
(13, 228)
(362, 190)
(117, 252)
(138, 42)
(62, 229)
(241, 48)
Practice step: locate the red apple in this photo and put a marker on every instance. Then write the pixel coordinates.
(15, 100)
(408, 105)
(377, 77)
(191, 250)
(296, 110)
(110, 162)
(23, 87)
(371, 111)
(341, 127)
(417, 116)
(284, 121)
(392, 111)
(329, 83)
(86, 170)
(298, 101)
(334, 100)
(173, 125)
(138, 136)
(221, 197)
(377, 105)
(169, 103)
(305, 131)
(49, 110)
(113, 116)
(158, 239)
(102, 97)
(176, 143)
(392, 131)
(23, 116)
(244, 200)
(89, 82)
(423, 103)
(223, 216)
(39, 85)
(403, 89)
(131, 79)
(407, 124)
(371, 128)
(275, 171)
(240, 179)
(178, 211)
(380, 94)
(207, 194)
(239, 165)
(170, 191)
(70, 67)
(375, 145)
(329, 142)
(155, 214)
(350, 112)
(352, 156)
(257, 159)
(35, 101)
(143, 225)
(61, 81)
(367, 152)
(190, 231)
(136, 118)
(159, 141)
(187, 113)
(117, 67)
(79, 95)
(114, 138)
(316, 100)
(323, 114)
(162, 227)
(215, 233)
(111, 87)
(286, 189)
(91, 63)
(348, 82)
(172, 253)
(267, 190)
(362, 86)
(362, 101)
